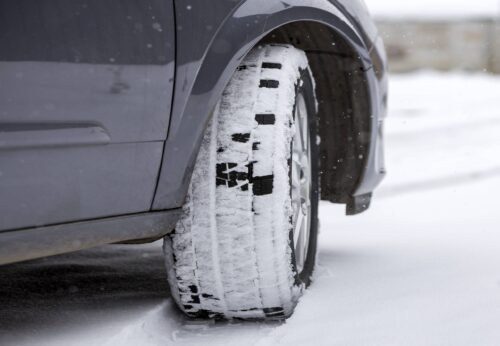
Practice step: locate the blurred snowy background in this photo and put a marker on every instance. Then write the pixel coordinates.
(421, 267)
(440, 34)
(434, 9)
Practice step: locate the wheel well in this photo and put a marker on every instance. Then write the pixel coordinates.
(344, 112)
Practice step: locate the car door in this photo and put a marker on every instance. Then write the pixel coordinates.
(85, 96)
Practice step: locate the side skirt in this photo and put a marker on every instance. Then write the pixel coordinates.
(22, 245)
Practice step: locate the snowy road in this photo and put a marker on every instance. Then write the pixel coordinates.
(422, 267)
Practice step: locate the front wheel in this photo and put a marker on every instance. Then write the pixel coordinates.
(245, 246)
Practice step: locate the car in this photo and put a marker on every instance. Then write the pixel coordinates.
(216, 125)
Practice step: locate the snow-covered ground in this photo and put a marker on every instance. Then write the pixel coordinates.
(421, 267)
(433, 9)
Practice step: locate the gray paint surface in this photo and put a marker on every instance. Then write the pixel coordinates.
(85, 98)
(23, 245)
(132, 102)
(54, 185)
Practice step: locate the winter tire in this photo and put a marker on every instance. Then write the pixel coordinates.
(245, 246)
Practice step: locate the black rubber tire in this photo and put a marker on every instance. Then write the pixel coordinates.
(232, 253)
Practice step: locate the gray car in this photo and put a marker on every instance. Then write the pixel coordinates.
(216, 125)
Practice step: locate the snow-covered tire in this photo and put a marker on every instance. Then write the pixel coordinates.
(232, 254)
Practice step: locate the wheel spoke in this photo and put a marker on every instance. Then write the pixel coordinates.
(301, 183)
(298, 235)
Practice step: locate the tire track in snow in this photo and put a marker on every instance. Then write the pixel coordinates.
(443, 129)
(439, 183)
(157, 327)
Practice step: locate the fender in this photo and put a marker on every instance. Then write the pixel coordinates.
(211, 42)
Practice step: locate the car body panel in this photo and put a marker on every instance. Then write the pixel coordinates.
(21, 245)
(375, 166)
(85, 95)
(49, 186)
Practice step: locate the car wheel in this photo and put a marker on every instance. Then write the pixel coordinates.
(245, 246)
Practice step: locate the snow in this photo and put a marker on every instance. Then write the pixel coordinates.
(434, 9)
(419, 268)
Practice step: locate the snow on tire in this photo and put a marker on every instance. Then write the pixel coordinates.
(230, 255)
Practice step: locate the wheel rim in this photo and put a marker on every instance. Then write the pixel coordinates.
(301, 183)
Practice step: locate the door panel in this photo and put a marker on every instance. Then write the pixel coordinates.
(132, 102)
(85, 96)
(53, 185)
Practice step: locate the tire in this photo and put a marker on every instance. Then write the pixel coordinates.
(233, 252)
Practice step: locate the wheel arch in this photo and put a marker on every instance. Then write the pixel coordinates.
(339, 59)
(345, 104)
